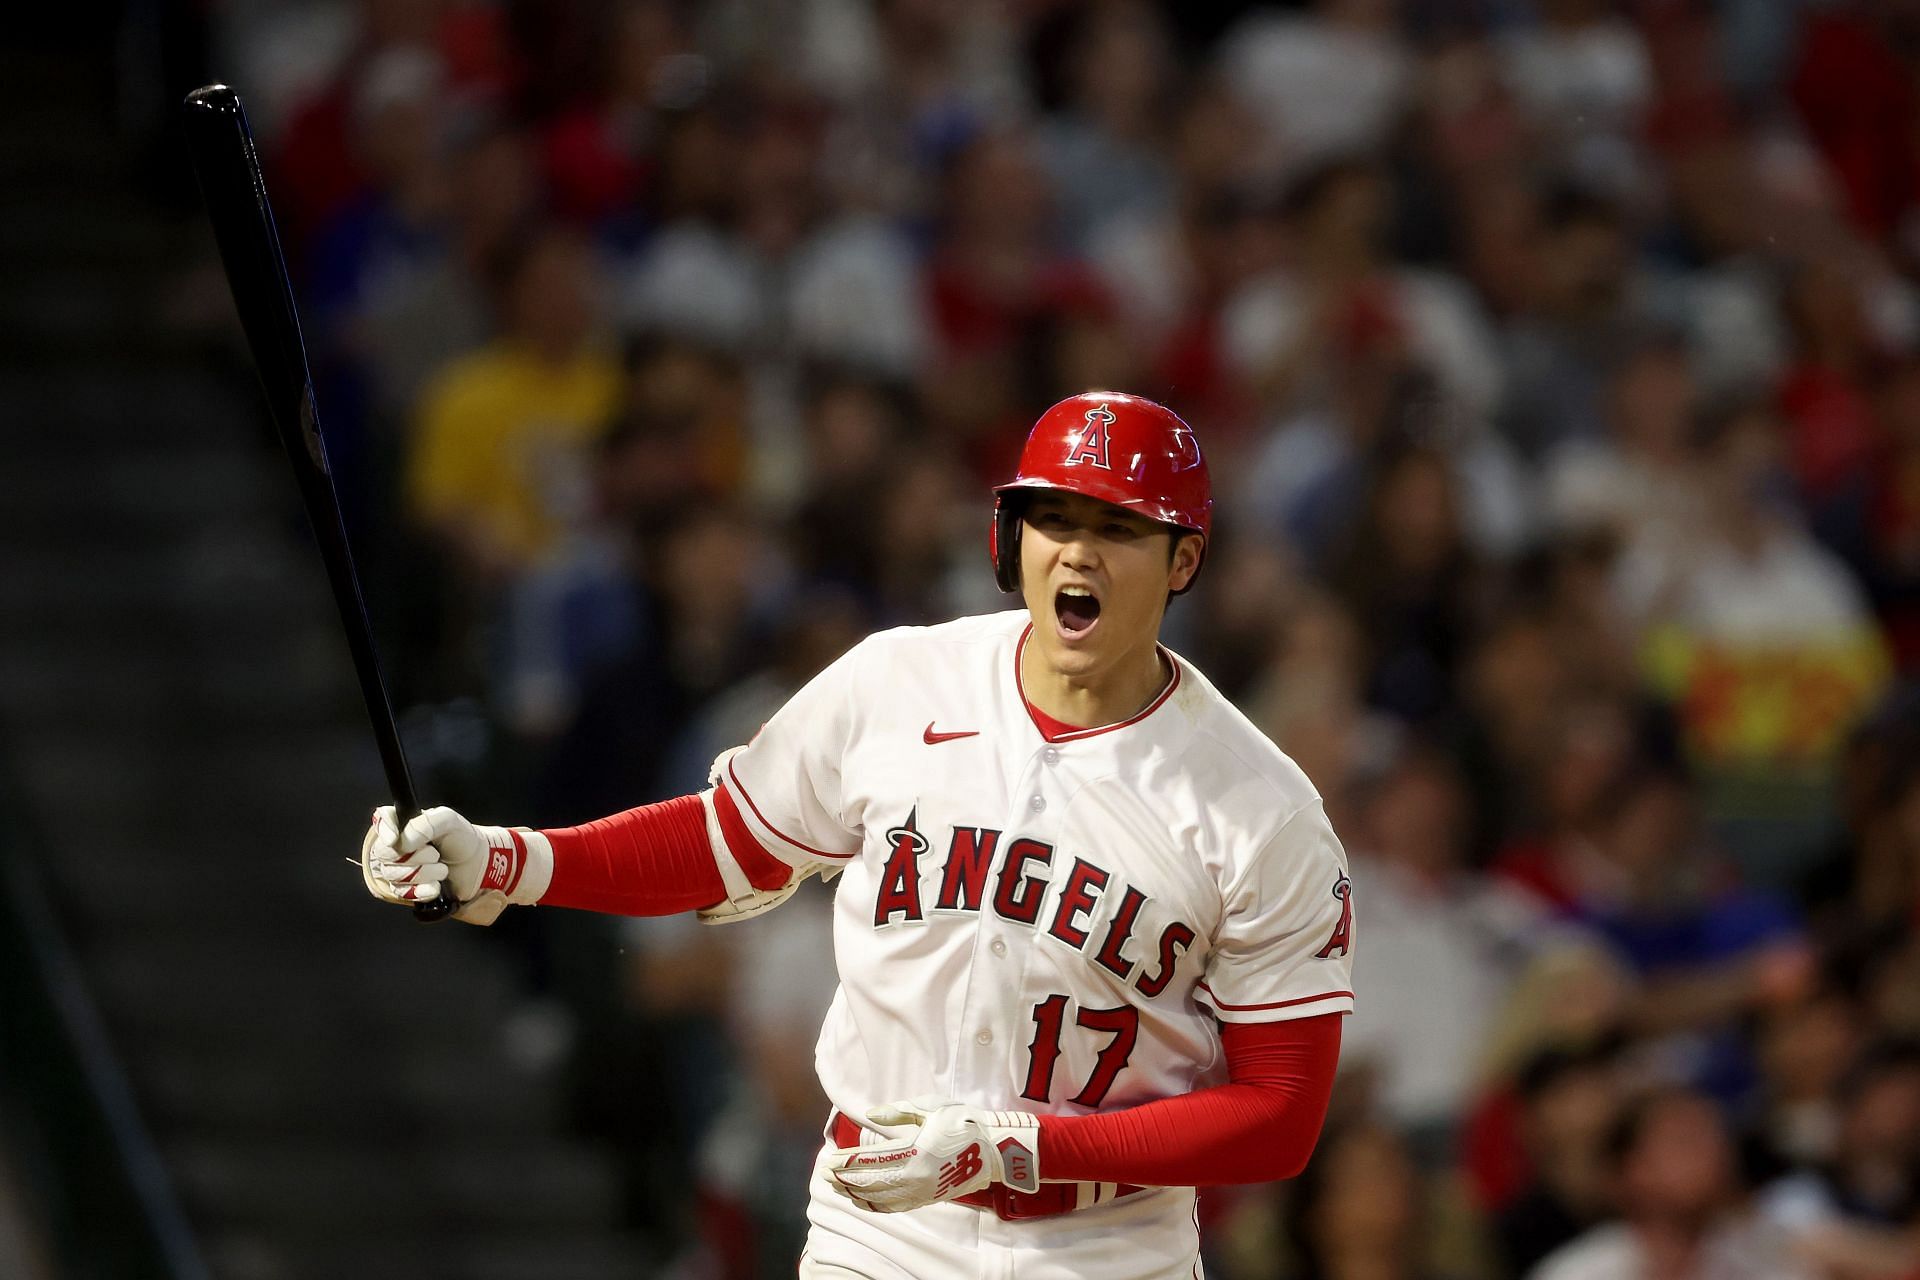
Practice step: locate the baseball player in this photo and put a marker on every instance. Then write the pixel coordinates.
(1093, 930)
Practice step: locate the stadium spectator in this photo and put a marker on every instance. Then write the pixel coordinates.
(1327, 83)
(1310, 699)
(1569, 1101)
(417, 321)
(1570, 1004)
(1765, 645)
(1362, 1211)
(1102, 151)
(1805, 1050)
(1403, 566)
(500, 448)
(1582, 298)
(1444, 949)
(1850, 88)
(1677, 1191)
(599, 151)
(1344, 300)
(1871, 1174)
(1633, 486)
(1710, 951)
(1582, 74)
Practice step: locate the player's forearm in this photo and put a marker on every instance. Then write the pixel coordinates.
(1228, 1134)
(652, 861)
(1259, 1128)
(657, 860)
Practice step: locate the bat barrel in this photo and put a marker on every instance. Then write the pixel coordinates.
(228, 165)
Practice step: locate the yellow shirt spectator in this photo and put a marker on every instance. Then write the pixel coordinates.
(502, 448)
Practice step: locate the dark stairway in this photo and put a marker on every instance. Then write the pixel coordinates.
(327, 1081)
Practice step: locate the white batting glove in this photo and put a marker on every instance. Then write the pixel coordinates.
(487, 868)
(944, 1150)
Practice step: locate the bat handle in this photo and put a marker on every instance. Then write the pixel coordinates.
(437, 908)
(442, 904)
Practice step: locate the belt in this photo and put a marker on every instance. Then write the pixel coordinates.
(1007, 1204)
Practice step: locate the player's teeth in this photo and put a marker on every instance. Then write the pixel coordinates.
(1075, 591)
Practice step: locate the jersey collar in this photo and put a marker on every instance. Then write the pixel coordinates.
(1040, 719)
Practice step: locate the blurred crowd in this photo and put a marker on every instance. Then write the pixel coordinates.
(1558, 362)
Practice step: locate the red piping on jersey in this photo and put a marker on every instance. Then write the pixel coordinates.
(764, 870)
(734, 778)
(1277, 1004)
(1259, 1126)
(1074, 735)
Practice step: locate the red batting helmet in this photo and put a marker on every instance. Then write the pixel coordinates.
(1114, 447)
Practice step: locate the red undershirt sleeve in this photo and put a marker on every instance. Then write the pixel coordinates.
(655, 860)
(1259, 1127)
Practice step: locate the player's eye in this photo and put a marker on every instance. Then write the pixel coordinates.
(1119, 532)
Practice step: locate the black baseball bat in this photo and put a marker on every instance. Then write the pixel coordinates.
(228, 164)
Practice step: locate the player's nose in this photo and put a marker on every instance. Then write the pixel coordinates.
(1079, 550)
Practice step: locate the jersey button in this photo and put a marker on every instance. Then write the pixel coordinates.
(998, 947)
(1038, 804)
(1051, 755)
(984, 1037)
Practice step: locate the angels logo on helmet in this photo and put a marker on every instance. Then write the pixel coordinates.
(1092, 446)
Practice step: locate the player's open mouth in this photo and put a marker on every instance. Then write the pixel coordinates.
(1076, 609)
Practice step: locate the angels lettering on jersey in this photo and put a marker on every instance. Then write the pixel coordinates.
(971, 878)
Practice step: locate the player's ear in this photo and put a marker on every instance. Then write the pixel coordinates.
(1184, 560)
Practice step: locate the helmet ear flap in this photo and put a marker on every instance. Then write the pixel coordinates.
(1006, 543)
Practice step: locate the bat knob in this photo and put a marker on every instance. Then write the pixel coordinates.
(213, 97)
(435, 908)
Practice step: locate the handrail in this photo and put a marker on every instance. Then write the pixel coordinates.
(107, 1202)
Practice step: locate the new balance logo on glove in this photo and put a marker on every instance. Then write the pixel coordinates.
(962, 1169)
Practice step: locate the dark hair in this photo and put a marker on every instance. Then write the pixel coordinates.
(1567, 205)
(1719, 416)
(1645, 772)
(1631, 1126)
(1551, 1066)
(1888, 1056)
(822, 380)
(509, 259)
(1303, 194)
(1306, 1193)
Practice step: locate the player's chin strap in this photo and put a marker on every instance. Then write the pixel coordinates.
(743, 901)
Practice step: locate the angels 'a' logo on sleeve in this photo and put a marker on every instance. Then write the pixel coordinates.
(1341, 939)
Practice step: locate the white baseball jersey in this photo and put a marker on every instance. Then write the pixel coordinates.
(1043, 926)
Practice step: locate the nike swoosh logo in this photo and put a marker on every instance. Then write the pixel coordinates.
(930, 737)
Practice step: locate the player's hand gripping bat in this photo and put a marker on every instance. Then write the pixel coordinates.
(229, 168)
